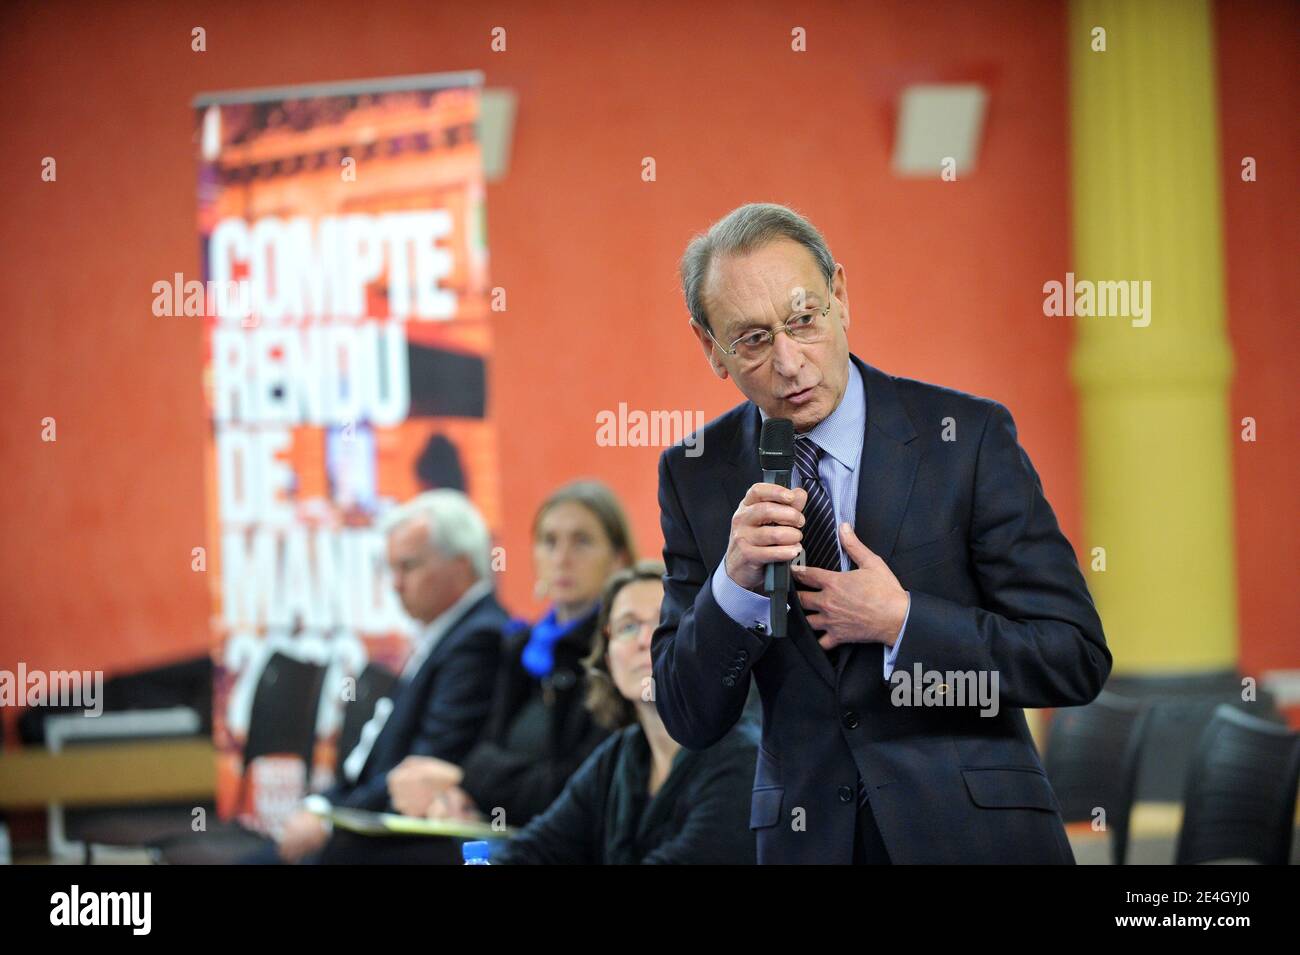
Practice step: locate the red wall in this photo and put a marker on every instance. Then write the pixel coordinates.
(945, 278)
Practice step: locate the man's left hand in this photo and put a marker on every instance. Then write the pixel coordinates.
(867, 605)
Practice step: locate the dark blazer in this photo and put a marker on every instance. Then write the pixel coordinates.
(523, 782)
(440, 710)
(605, 815)
(995, 586)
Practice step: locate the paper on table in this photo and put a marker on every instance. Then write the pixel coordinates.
(387, 823)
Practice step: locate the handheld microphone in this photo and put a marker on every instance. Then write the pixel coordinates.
(776, 457)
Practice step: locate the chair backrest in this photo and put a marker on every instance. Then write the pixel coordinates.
(1241, 791)
(374, 683)
(1092, 759)
(283, 714)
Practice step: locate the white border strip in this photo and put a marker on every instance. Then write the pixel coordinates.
(387, 84)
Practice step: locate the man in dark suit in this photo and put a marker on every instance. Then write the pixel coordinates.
(438, 552)
(928, 564)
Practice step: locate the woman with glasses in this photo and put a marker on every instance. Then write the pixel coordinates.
(640, 797)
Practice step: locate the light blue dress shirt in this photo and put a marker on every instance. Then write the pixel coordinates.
(840, 435)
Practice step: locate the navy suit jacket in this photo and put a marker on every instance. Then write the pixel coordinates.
(994, 586)
(441, 710)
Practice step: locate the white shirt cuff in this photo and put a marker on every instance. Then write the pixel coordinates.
(892, 653)
(747, 608)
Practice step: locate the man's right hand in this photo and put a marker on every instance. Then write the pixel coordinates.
(767, 528)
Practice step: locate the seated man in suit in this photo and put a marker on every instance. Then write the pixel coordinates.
(439, 555)
(922, 545)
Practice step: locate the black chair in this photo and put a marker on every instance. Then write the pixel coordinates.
(374, 683)
(1241, 792)
(282, 720)
(283, 717)
(1092, 760)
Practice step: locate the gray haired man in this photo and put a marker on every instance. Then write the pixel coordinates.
(439, 556)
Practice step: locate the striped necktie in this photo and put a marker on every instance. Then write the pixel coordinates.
(819, 544)
(821, 548)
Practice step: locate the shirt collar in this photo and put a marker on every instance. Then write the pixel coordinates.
(840, 433)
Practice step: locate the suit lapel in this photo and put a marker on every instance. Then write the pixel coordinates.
(885, 478)
(466, 619)
(744, 471)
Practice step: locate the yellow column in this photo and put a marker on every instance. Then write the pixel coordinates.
(1157, 488)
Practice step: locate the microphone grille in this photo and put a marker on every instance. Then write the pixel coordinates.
(776, 445)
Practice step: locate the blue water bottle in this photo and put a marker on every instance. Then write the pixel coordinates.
(475, 853)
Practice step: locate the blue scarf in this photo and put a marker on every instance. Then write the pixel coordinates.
(539, 652)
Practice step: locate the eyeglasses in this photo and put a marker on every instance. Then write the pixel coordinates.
(806, 328)
(630, 629)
